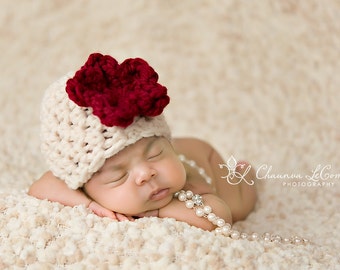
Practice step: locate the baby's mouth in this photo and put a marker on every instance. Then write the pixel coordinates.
(159, 194)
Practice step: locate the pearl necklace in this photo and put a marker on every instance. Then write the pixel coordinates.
(200, 170)
(195, 202)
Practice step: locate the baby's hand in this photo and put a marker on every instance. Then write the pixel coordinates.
(104, 212)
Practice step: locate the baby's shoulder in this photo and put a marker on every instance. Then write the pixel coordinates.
(190, 146)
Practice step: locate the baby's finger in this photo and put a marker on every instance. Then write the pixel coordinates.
(110, 214)
(106, 213)
(122, 217)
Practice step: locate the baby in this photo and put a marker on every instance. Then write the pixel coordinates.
(109, 147)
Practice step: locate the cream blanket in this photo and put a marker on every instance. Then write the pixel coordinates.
(258, 79)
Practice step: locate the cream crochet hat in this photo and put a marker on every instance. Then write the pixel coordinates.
(104, 107)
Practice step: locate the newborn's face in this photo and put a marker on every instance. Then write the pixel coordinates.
(142, 177)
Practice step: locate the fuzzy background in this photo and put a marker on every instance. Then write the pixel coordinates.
(258, 79)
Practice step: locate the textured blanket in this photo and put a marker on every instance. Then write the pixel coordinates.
(259, 80)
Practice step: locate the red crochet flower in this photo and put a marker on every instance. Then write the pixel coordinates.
(117, 93)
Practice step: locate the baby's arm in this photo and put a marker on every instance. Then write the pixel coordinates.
(177, 210)
(53, 189)
(241, 197)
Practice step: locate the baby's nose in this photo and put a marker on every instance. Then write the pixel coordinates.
(144, 174)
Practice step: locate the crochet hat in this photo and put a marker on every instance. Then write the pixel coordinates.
(103, 108)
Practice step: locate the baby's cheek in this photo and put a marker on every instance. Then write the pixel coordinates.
(128, 205)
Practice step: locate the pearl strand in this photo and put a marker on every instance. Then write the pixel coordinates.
(195, 202)
(200, 170)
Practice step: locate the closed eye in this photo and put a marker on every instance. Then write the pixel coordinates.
(117, 179)
(154, 155)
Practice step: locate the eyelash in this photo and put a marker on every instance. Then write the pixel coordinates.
(156, 155)
(119, 179)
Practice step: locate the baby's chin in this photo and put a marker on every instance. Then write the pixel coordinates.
(152, 211)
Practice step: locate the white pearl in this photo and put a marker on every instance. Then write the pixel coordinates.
(192, 163)
(235, 235)
(211, 217)
(199, 212)
(266, 237)
(215, 220)
(227, 225)
(286, 240)
(226, 229)
(182, 197)
(207, 209)
(218, 230)
(189, 194)
(276, 238)
(189, 204)
(201, 171)
(244, 235)
(254, 236)
(297, 240)
(220, 222)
